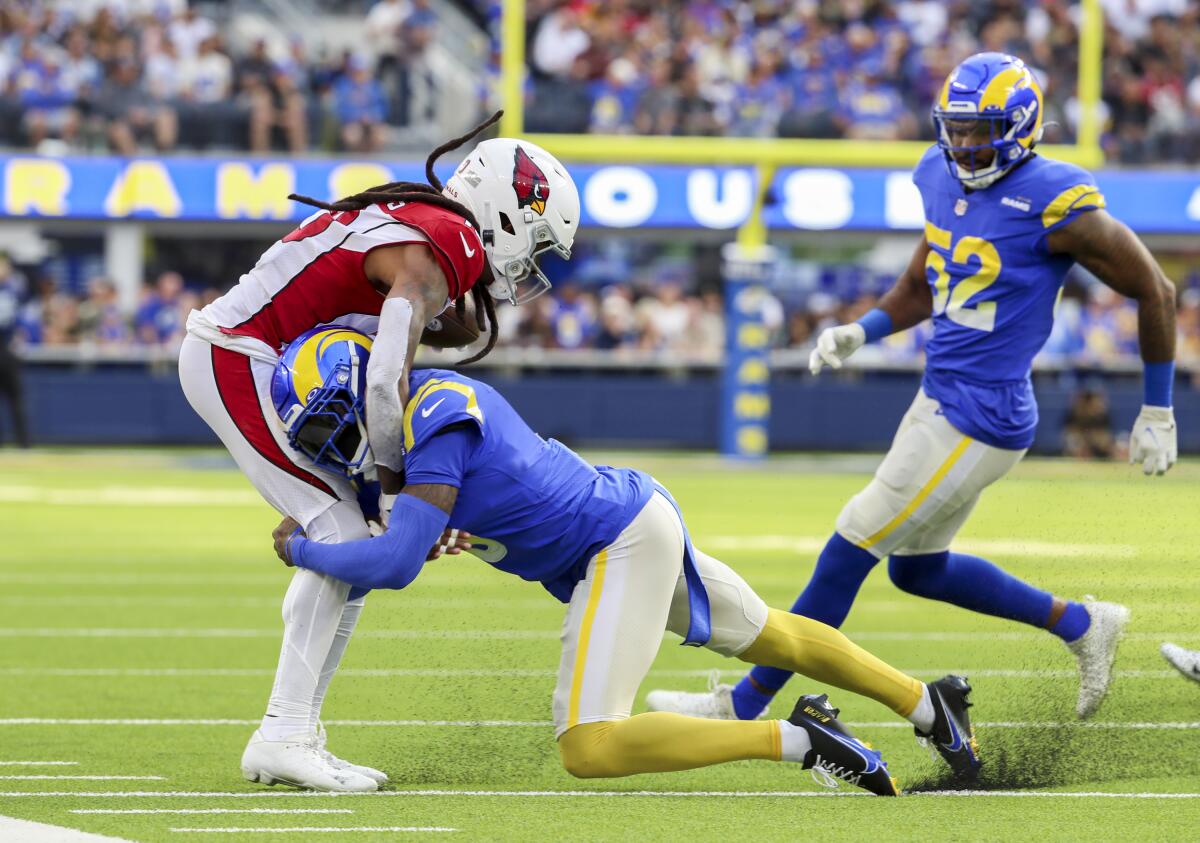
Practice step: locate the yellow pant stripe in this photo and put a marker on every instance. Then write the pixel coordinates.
(585, 634)
(938, 477)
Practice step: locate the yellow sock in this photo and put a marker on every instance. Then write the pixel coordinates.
(660, 742)
(803, 645)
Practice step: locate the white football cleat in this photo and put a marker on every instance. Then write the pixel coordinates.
(1095, 652)
(299, 763)
(714, 704)
(1185, 661)
(378, 776)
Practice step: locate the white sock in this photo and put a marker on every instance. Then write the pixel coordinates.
(312, 611)
(922, 715)
(794, 742)
(341, 638)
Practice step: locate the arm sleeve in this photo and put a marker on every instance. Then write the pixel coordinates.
(385, 430)
(392, 560)
(444, 458)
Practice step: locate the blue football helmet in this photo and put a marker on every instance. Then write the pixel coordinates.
(319, 390)
(997, 93)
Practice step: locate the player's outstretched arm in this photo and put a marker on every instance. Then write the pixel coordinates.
(417, 292)
(1114, 254)
(907, 303)
(391, 560)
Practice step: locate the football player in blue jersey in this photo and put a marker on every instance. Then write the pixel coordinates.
(1003, 226)
(612, 544)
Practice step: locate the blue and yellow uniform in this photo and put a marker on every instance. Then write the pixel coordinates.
(995, 286)
(536, 508)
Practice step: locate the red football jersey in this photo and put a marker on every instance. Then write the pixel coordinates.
(314, 276)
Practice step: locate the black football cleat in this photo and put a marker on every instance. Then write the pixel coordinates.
(952, 735)
(837, 754)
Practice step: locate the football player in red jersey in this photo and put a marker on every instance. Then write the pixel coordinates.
(386, 261)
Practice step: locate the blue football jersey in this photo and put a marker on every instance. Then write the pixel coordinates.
(995, 286)
(535, 508)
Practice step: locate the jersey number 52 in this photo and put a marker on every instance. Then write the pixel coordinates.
(953, 302)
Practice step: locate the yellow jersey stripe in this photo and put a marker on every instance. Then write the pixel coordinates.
(1079, 196)
(411, 407)
(938, 477)
(428, 388)
(585, 635)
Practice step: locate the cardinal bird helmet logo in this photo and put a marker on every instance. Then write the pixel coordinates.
(529, 183)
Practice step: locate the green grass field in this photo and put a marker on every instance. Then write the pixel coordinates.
(139, 587)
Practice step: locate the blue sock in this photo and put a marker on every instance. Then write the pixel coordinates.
(1073, 623)
(980, 586)
(841, 569)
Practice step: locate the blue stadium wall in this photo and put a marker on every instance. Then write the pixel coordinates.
(130, 404)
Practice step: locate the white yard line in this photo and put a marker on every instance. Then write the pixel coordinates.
(212, 811)
(225, 580)
(313, 829)
(83, 778)
(138, 496)
(26, 831)
(221, 632)
(520, 672)
(1000, 547)
(508, 634)
(39, 763)
(614, 794)
(508, 724)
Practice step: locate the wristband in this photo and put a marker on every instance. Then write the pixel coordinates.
(1158, 380)
(297, 533)
(876, 324)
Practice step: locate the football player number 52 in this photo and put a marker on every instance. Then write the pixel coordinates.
(953, 301)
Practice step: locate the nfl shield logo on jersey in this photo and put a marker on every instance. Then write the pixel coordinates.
(960, 207)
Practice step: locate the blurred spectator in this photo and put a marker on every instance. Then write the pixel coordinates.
(12, 290)
(159, 319)
(273, 99)
(382, 27)
(360, 108)
(559, 41)
(1087, 431)
(211, 114)
(572, 317)
(662, 317)
(100, 318)
(189, 31)
(133, 112)
(46, 96)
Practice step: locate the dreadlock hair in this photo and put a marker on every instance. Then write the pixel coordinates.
(431, 194)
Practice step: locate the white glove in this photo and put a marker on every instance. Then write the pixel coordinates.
(1152, 442)
(834, 345)
(385, 508)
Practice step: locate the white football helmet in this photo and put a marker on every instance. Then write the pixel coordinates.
(525, 203)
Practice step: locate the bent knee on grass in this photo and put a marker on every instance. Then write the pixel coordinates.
(583, 751)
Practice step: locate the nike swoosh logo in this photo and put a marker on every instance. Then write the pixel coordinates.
(428, 411)
(470, 252)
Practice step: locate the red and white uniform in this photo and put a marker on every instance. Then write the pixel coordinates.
(314, 276)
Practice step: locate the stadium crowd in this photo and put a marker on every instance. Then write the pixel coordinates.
(126, 75)
(137, 74)
(659, 311)
(852, 68)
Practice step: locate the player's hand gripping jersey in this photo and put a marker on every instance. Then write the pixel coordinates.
(995, 286)
(314, 276)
